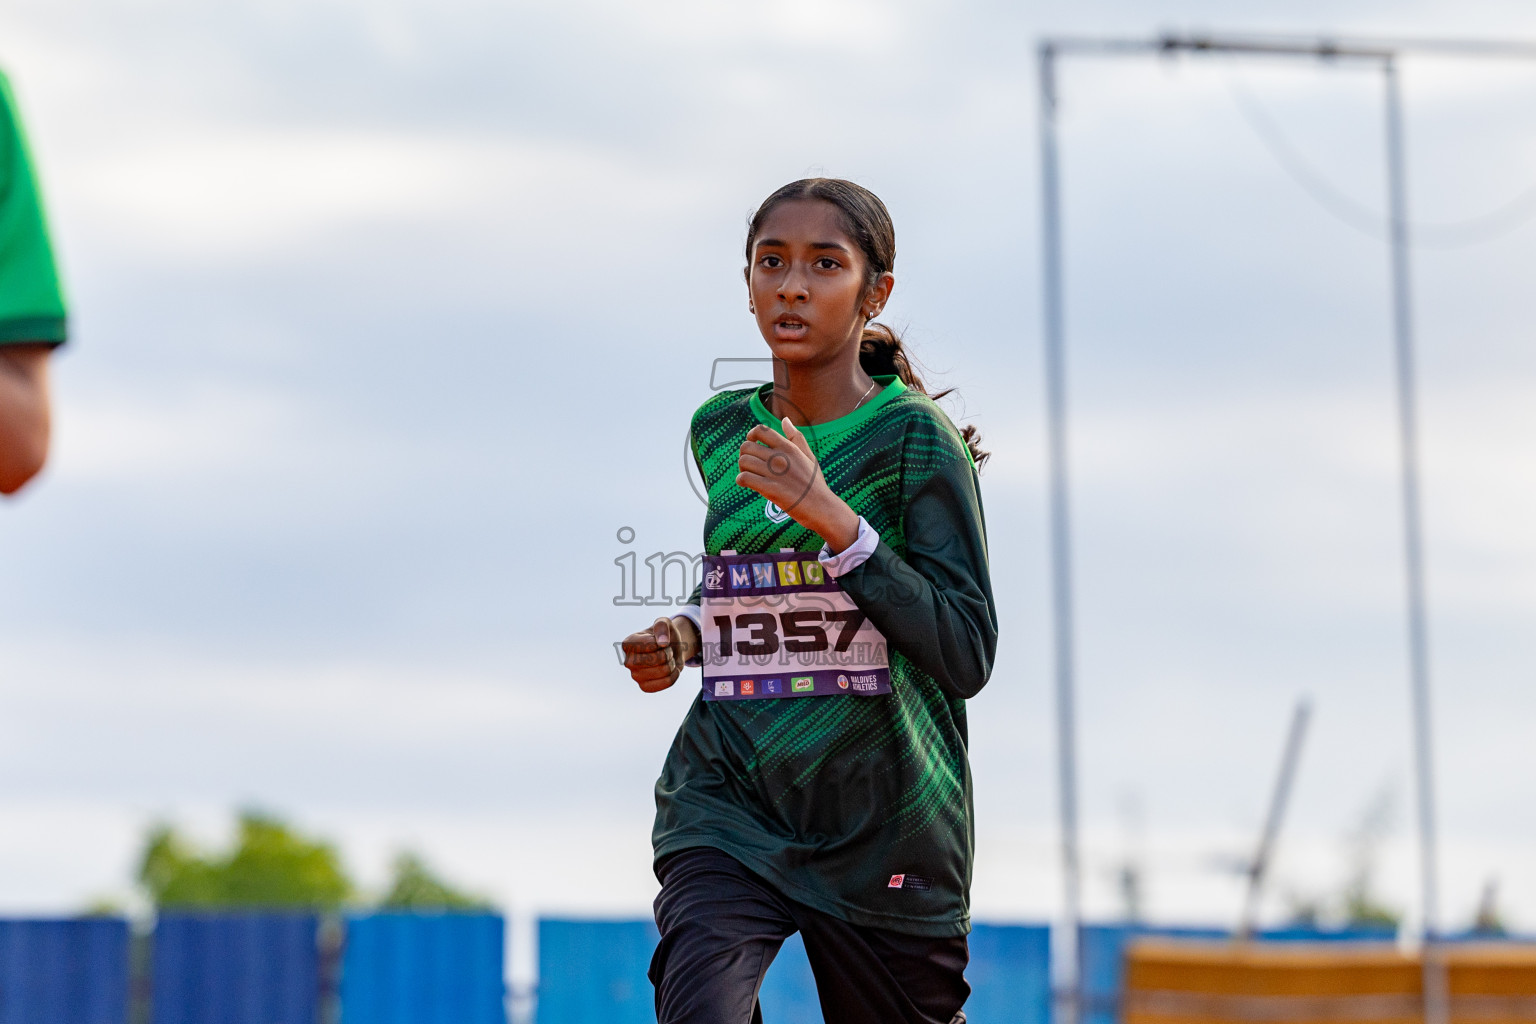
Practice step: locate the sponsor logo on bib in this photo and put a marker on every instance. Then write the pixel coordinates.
(863, 684)
(802, 684)
(715, 578)
(725, 687)
(842, 681)
(746, 687)
(773, 686)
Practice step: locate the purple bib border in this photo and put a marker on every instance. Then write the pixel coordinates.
(873, 682)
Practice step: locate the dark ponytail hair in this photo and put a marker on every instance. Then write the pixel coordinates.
(868, 223)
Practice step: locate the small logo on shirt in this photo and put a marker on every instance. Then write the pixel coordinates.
(905, 881)
(725, 687)
(896, 881)
(802, 684)
(715, 578)
(773, 512)
(746, 687)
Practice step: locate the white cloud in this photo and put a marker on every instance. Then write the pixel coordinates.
(209, 193)
(124, 437)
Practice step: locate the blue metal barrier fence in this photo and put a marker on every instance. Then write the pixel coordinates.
(236, 969)
(424, 969)
(232, 968)
(64, 972)
(594, 972)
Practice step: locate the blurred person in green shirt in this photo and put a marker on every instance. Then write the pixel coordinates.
(32, 317)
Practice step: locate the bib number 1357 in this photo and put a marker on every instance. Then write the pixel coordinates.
(799, 632)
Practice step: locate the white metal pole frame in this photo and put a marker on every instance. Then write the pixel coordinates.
(1070, 1003)
(1436, 994)
(1436, 989)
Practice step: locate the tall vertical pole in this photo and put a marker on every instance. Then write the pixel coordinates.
(1436, 996)
(1071, 1005)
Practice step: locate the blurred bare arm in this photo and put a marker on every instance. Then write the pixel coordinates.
(24, 414)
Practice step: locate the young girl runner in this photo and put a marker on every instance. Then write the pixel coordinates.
(819, 783)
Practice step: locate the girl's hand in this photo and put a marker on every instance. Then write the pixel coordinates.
(782, 468)
(655, 656)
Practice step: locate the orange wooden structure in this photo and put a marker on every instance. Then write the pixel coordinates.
(1186, 982)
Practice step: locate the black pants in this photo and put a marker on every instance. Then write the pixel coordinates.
(721, 927)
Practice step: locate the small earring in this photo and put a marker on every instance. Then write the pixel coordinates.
(871, 316)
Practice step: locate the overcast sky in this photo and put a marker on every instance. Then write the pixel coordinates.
(388, 315)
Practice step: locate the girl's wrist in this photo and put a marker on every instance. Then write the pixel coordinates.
(835, 522)
(687, 636)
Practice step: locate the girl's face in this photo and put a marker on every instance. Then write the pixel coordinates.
(807, 283)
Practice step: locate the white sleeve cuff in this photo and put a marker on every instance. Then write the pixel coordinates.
(854, 555)
(693, 613)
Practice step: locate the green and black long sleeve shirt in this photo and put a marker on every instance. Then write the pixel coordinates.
(860, 807)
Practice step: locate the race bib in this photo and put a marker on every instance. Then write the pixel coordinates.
(779, 626)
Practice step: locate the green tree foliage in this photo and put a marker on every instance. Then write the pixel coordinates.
(1489, 921)
(1357, 904)
(270, 866)
(1362, 908)
(415, 887)
(1303, 911)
